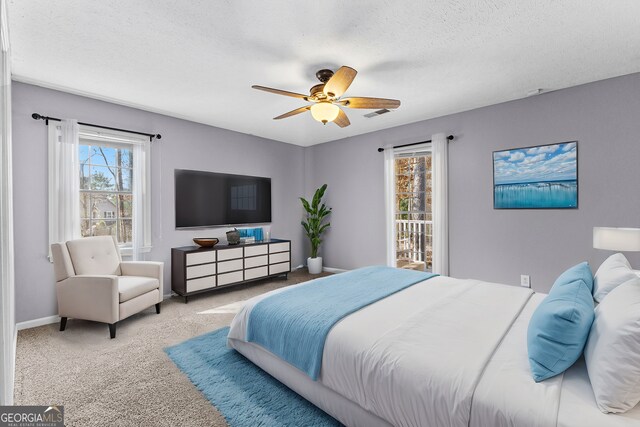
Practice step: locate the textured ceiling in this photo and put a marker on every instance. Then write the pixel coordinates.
(197, 59)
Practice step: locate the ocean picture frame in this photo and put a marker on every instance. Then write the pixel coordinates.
(537, 177)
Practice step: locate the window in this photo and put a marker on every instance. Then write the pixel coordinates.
(413, 220)
(114, 187)
(99, 185)
(416, 205)
(106, 198)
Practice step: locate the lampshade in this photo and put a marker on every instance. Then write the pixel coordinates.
(616, 239)
(324, 112)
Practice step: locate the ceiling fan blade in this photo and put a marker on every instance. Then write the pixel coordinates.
(339, 82)
(342, 120)
(280, 92)
(293, 112)
(369, 103)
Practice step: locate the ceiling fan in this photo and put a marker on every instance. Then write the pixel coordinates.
(326, 98)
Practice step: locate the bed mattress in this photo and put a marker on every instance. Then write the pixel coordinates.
(444, 352)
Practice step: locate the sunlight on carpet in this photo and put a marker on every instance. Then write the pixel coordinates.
(232, 308)
(242, 392)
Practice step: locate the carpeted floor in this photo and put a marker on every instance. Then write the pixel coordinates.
(129, 380)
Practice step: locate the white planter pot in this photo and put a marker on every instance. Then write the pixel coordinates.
(314, 265)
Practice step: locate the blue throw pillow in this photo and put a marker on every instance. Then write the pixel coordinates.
(559, 327)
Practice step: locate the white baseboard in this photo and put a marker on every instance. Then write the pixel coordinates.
(37, 322)
(47, 320)
(333, 270)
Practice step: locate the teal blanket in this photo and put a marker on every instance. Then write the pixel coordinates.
(294, 324)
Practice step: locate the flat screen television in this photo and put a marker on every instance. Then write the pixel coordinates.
(208, 199)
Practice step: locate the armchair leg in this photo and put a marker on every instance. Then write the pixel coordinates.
(63, 323)
(158, 308)
(112, 330)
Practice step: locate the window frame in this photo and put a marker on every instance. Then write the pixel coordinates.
(410, 229)
(89, 135)
(391, 154)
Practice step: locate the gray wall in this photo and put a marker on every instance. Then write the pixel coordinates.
(488, 244)
(184, 145)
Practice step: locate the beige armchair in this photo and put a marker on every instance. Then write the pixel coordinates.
(93, 283)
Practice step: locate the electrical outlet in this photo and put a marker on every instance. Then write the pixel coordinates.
(525, 281)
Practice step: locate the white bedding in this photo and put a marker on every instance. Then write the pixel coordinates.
(444, 352)
(578, 404)
(507, 395)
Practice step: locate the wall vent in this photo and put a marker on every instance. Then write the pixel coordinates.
(377, 113)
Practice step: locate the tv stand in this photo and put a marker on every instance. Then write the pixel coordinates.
(195, 270)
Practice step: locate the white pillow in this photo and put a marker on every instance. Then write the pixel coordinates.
(612, 352)
(613, 272)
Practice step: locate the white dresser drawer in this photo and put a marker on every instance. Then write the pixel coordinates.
(225, 279)
(201, 270)
(254, 273)
(280, 257)
(201, 257)
(234, 253)
(279, 268)
(232, 265)
(255, 261)
(256, 250)
(200, 284)
(278, 247)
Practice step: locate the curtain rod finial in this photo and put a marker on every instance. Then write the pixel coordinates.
(380, 150)
(158, 136)
(36, 116)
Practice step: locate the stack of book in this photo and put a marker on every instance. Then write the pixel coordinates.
(250, 233)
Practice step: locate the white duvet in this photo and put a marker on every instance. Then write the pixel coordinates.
(444, 352)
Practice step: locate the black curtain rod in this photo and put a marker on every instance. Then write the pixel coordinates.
(380, 150)
(151, 136)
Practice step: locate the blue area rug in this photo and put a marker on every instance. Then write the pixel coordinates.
(242, 392)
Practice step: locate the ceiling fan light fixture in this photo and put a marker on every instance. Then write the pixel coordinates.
(325, 112)
(326, 98)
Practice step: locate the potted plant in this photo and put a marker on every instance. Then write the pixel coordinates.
(316, 213)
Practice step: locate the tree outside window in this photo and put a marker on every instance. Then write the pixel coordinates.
(106, 198)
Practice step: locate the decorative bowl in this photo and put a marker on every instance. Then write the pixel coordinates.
(206, 242)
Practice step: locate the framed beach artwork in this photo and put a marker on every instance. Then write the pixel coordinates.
(540, 177)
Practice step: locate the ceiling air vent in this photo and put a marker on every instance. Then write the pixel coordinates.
(377, 113)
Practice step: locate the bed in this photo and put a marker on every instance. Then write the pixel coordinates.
(442, 352)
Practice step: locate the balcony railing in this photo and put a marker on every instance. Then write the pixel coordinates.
(414, 244)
